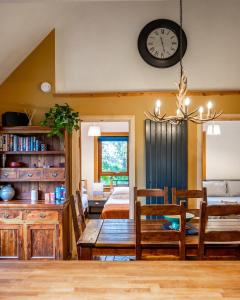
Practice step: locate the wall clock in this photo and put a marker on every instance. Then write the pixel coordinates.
(159, 43)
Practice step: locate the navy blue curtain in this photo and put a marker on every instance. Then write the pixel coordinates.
(166, 157)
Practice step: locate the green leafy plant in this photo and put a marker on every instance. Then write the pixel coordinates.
(61, 117)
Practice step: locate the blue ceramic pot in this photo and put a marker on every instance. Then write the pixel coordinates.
(7, 192)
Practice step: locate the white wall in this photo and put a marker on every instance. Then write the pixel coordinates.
(96, 45)
(87, 147)
(222, 152)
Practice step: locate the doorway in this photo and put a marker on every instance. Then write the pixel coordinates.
(107, 163)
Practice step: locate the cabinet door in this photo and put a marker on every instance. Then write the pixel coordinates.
(43, 241)
(11, 241)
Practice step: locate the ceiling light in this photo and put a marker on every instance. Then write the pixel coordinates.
(94, 131)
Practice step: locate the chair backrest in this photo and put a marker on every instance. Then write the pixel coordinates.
(77, 231)
(189, 194)
(151, 193)
(81, 217)
(147, 234)
(186, 194)
(227, 234)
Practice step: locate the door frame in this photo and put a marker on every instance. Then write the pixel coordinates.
(131, 121)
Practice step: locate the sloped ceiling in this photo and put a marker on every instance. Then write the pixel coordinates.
(23, 24)
(22, 27)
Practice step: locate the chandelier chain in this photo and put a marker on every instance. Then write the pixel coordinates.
(181, 25)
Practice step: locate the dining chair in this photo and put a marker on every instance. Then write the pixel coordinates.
(189, 194)
(219, 231)
(77, 231)
(163, 193)
(81, 215)
(78, 221)
(150, 234)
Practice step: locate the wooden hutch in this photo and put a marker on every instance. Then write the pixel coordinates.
(40, 229)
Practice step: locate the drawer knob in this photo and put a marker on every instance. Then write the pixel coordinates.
(29, 174)
(6, 216)
(54, 174)
(5, 174)
(42, 215)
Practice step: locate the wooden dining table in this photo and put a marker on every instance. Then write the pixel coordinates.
(115, 237)
(135, 280)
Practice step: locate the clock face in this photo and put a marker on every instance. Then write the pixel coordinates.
(162, 43)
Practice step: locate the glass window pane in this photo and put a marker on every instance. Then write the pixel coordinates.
(116, 180)
(114, 156)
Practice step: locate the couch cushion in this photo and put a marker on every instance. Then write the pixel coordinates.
(216, 188)
(233, 188)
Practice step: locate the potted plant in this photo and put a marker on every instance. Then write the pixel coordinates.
(61, 117)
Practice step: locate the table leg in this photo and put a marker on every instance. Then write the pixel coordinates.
(86, 253)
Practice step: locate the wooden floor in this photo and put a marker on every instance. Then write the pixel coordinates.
(140, 280)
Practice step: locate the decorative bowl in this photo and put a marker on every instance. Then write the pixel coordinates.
(16, 164)
(174, 220)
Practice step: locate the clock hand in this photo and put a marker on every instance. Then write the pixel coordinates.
(162, 44)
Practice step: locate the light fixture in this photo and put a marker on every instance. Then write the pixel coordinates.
(94, 130)
(45, 87)
(183, 113)
(213, 129)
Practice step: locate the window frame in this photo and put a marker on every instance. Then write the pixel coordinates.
(98, 156)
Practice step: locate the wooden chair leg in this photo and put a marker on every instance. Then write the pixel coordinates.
(138, 253)
(201, 251)
(182, 251)
(78, 253)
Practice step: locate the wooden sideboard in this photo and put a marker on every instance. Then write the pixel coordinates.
(34, 231)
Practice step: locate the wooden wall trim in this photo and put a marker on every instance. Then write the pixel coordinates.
(204, 169)
(147, 93)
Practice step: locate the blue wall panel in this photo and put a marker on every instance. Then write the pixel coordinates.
(166, 157)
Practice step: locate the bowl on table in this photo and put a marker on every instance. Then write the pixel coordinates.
(174, 220)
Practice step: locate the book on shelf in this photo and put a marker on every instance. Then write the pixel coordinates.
(16, 143)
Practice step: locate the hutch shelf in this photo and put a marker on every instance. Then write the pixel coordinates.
(38, 230)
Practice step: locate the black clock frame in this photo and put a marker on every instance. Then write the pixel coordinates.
(161, 62)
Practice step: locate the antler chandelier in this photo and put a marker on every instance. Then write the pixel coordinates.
(182, 102)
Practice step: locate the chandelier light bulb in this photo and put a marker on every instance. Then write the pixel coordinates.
(157, 107)
(200, 110)
(187, 101)
(158, 103)
(210, 105)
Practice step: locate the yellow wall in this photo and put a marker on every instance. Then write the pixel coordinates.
(21, 90)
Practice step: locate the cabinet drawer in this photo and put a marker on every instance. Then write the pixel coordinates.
(8, 214)
(30, 174)
(8, 173)
(40, 215)
(54, 173)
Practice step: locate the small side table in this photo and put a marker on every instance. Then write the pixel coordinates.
(96, 204)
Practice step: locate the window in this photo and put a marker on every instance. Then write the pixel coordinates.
(113, 160)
